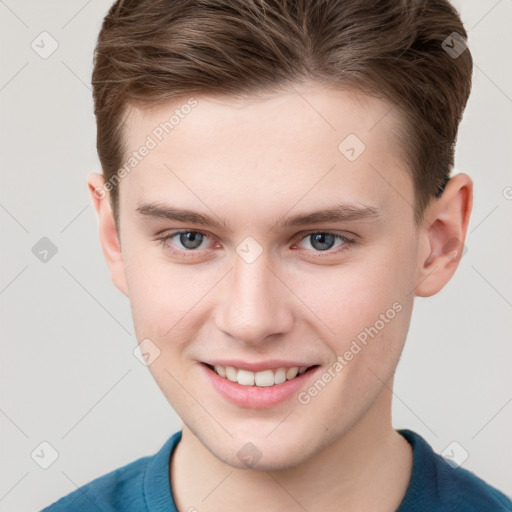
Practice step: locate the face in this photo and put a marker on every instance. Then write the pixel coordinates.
(269, 286)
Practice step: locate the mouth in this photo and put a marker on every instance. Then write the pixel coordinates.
(263, 379)
(262, 389)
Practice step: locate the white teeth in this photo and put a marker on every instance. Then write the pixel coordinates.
(231, 373)
(292, 372)
(264, 378)
(220, 370)
(280, 376)
(245, 378)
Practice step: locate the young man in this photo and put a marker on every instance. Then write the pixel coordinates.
(276, 191)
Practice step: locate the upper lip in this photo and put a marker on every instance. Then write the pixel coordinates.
(257, 366)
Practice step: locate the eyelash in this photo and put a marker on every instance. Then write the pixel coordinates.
(191, 253)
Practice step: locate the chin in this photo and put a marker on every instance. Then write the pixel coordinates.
(266, 459)
(261, 453)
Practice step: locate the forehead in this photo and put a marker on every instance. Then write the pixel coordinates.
(309, 144)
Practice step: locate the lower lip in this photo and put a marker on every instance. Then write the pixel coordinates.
(256, 397)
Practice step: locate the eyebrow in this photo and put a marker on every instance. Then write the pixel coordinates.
(338, 213)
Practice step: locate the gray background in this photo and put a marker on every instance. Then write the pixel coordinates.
(68, 374)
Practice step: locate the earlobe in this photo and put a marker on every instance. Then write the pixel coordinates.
(109, 237)
(443, 233)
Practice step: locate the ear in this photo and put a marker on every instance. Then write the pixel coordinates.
(109, 239)
(443, 234)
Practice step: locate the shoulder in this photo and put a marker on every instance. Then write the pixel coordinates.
(466, 491)
(443, 487)
(124, 489)
(108, 492)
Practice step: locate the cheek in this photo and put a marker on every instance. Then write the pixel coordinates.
(364, 308)
(349, 298)
(379, 318)
(160, 293)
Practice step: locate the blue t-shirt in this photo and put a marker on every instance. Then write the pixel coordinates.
(144, 486)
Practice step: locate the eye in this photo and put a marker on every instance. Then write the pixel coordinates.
(190, 239)
(190, 242)
(323, 241)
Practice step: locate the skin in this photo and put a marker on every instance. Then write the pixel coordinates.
(252, 163)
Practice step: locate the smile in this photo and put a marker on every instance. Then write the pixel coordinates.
(265, 378)
(261, 388)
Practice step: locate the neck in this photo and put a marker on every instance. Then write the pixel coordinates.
(368, 468)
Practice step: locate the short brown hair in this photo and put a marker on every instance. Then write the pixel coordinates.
(152, 51)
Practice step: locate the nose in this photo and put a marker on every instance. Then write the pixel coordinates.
(257, 305)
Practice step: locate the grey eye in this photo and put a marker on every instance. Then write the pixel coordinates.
(191, 239)
(322, 241)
